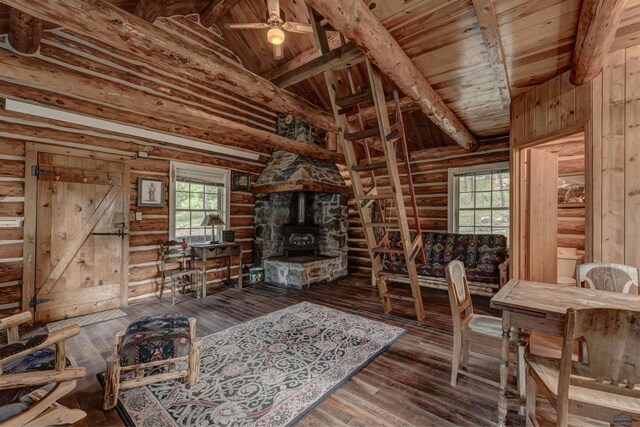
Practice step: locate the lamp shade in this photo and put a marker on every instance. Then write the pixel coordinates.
(212, 219)
(275, 36)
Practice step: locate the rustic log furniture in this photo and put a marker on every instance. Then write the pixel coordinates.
(608, 277)
(542, 307)
(468, 327)
(152, 342)
(205, 251)
(29, 364)
(606, 386)
(183, 276)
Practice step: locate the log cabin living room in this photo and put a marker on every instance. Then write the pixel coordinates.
(319, 212)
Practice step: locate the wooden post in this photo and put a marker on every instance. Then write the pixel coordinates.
(194, 361)
(111, 383)
(61, 357)
(25, 32)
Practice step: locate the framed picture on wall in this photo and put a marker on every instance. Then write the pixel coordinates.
(150, 192)
(240, 181)
(571, 190)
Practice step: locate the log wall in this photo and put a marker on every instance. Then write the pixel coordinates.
(608, 109)
(430, 171)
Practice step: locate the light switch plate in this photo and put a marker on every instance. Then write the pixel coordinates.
(138, 216)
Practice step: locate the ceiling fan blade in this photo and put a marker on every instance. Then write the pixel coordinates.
(249, 26)
(297, 27)
(278, 52)
(274, 7)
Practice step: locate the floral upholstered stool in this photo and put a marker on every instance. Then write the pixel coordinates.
(152, 342)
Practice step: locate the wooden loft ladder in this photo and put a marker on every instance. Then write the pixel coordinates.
(357, 145)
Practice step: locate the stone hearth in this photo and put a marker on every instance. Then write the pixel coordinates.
(296, 190)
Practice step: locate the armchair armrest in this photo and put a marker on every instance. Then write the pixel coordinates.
(11, 323)
(504, 272)
(56, 338)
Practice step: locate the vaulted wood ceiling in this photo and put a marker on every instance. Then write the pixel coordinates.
(444, 40)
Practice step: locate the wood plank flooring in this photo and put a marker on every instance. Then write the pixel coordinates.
(407, 385)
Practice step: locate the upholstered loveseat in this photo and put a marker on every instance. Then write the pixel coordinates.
(485, 257)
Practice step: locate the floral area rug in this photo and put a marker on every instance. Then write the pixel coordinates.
(269, 371)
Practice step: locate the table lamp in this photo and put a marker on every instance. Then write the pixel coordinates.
(212, 220)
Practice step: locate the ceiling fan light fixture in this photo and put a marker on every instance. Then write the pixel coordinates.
(275, 36)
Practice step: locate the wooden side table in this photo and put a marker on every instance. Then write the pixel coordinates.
(205, 251)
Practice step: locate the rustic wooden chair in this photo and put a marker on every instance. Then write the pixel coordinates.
(606, 386)
(33, 376)
(173, 277)
(608, 277)
(149, 344)
(468, 327)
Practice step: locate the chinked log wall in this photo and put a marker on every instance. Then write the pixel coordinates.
(70, 51)
(430, 176)
(608, 109)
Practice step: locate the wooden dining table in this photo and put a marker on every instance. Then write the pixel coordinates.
(541, 307)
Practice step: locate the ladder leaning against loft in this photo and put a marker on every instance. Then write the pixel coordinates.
(357, 144)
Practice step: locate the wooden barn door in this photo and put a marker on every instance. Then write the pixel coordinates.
(81, 241)
(542, 233)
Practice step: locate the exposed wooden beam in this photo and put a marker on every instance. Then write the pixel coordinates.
(343, 56)
(303, 58)
(369, 114)
(599, 20)
(34, 72)
(486, 15)
(150, 10)
(25, 32)
(356, 22)
(109, 24)
(215, 10)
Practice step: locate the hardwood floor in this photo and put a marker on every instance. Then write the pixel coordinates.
(406, 385)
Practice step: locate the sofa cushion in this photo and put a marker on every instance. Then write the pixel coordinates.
(461, 247)
(435, 245)
(40, 360)
(491, 252)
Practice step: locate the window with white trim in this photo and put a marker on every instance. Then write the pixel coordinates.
(195, 193)
(479, 199)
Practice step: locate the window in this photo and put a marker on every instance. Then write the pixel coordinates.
(480, 199)
(195, 193)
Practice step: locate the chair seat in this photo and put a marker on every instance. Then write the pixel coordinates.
(154, 338)
(547, 370)
(22, 345)
(486, 325)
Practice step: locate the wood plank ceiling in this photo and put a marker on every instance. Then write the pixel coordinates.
(444, 40)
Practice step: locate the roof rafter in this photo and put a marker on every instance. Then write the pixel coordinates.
(356, 22)
(25, 32)
(150, 10)
(214, 10)
(599, 20)
(486, 15)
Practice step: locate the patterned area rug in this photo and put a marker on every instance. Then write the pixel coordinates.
(269, 371)
(87, 319)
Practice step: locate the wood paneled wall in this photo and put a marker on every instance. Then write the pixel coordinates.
(430, 175)
(608, 109)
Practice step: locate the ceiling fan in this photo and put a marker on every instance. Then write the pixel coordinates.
(276, 26)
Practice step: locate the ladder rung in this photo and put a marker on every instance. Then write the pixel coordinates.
(362, 134)
(388, 251)
(369, 167)
(382, 224)
(398, 296)
(355, 99)
(375, 197)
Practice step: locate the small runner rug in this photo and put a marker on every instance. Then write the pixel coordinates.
(269, 371)
(86, 320)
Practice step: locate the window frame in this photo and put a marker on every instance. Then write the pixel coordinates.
(225, 204)
(454, 194)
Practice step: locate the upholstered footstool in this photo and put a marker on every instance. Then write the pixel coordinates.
(152, 342)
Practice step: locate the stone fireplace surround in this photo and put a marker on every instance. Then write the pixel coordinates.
(275, 209)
